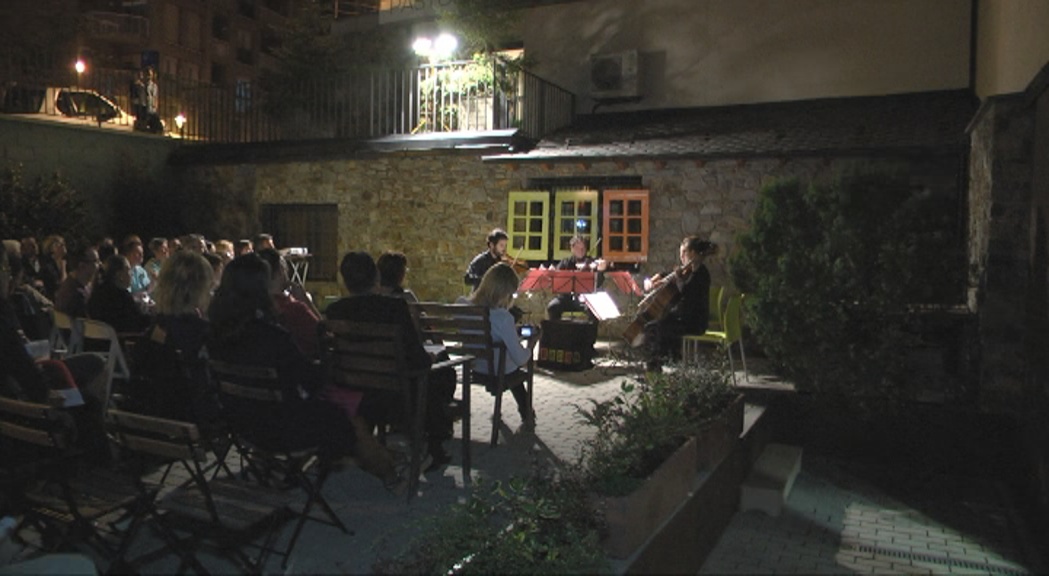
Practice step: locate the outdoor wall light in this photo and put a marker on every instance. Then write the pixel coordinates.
(180, 122)
(80, 67)
(437, 49)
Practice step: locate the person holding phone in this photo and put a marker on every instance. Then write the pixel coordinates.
(496, 291)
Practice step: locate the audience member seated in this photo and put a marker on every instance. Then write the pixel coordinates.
(393, 268)
(224, 250)
(365, 304)
(31, 263)
(140, 282)
(496, 291)
(262, 241)
(244, 331)
(171, 374)
(24, 379)
(73, 294)
(194, 243)
(111, 302)
(53, 265)
(295, 316)
(242, 247)
(32, 308)
(159, 253)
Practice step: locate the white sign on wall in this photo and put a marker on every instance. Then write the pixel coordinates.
(407, 10)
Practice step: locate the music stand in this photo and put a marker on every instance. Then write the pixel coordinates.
(572, 282)
(600, 304)
(535, 280)
(625, 282)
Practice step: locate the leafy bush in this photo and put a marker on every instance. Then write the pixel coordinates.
(539, 525)
(41, 207)
(640, 427)
(829, 272)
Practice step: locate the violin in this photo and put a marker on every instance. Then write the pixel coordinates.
(519, 266)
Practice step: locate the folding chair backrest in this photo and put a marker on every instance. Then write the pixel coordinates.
(65, 333)
(35, 425)
(463, 329)
(716, 319)
(247, 382)
(365, 354)
(159, 437)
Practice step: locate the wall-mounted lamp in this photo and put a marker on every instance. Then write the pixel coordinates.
(180, 122)
(437, 49)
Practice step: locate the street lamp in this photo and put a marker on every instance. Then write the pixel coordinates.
(80, 67)
(180, 122)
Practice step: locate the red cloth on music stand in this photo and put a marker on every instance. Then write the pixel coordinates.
(536, 279)
(572, 282)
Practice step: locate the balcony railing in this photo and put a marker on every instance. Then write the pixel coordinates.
(116, 27)
(456, 97)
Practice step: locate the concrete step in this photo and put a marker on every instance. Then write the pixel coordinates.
(771, 479)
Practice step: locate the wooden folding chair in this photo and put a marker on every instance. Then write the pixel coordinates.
(223, 514)
(65, 504)
(116, 364)
(371, 356)
(300, 467)
(466, 330)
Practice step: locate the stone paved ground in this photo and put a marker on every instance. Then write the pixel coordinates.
(834, 521)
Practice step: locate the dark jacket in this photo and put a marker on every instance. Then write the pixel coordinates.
(116, 307)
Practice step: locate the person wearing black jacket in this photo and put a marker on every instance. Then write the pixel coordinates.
(689, 315)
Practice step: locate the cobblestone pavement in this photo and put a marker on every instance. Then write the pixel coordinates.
(835, 522)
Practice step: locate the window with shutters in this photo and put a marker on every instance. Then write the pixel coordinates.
(527, 225)
(575, 213)
(625, 229)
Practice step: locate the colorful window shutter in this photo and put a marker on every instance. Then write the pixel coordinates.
(625, 230)
(527, 224)
(575, 212)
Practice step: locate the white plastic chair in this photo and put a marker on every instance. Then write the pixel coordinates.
(116, 364)
(66, 337)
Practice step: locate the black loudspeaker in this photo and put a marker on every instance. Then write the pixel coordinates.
(567, 345)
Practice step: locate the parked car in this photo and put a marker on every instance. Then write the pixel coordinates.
(69, 102)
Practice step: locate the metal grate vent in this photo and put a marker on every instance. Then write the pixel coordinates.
(983, 567)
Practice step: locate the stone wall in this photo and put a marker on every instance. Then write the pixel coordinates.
(437, 207)
(999, 246)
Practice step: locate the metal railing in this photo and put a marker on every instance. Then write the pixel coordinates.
(447, 97)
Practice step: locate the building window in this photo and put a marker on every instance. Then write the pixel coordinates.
(242, 96)
(625, 229)
(575, 213)
(527, 225)
(311, 226)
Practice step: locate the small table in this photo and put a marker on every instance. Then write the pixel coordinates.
(454, 362)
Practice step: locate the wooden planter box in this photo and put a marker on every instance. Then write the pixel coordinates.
(633, 518)
(715, 438)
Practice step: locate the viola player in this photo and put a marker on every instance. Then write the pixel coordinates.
(689, 314)
(579, 260)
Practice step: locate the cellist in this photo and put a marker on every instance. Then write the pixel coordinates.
(689, 314)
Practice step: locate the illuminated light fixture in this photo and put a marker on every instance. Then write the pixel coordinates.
(80, 67)
(180, 121)
(437, 49)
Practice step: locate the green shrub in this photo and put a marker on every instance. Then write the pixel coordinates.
(542, 524)
(830, 272)
(41, 207)
(640, 427)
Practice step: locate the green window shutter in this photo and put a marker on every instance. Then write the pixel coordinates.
(527, 224)
(575, 212)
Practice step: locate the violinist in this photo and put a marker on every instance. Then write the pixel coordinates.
(579, 260)
(495, 254)
(689, 314)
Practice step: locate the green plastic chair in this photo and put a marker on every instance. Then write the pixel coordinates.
(732, 334)
(714, 321)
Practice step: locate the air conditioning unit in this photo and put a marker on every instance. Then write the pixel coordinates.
(614, 75)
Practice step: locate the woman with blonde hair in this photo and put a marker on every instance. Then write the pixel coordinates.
(496, 291)
(170, 359)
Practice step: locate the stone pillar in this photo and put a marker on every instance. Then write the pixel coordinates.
(1000, 168)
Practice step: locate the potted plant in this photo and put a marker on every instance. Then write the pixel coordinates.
(542, 524)
(642, 460)
(714, 407)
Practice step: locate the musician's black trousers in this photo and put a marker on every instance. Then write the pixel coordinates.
(663, 341)
(564, 303)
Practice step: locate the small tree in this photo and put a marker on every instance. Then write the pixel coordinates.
(830, 272)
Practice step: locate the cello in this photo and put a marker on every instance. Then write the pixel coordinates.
(660, 300)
